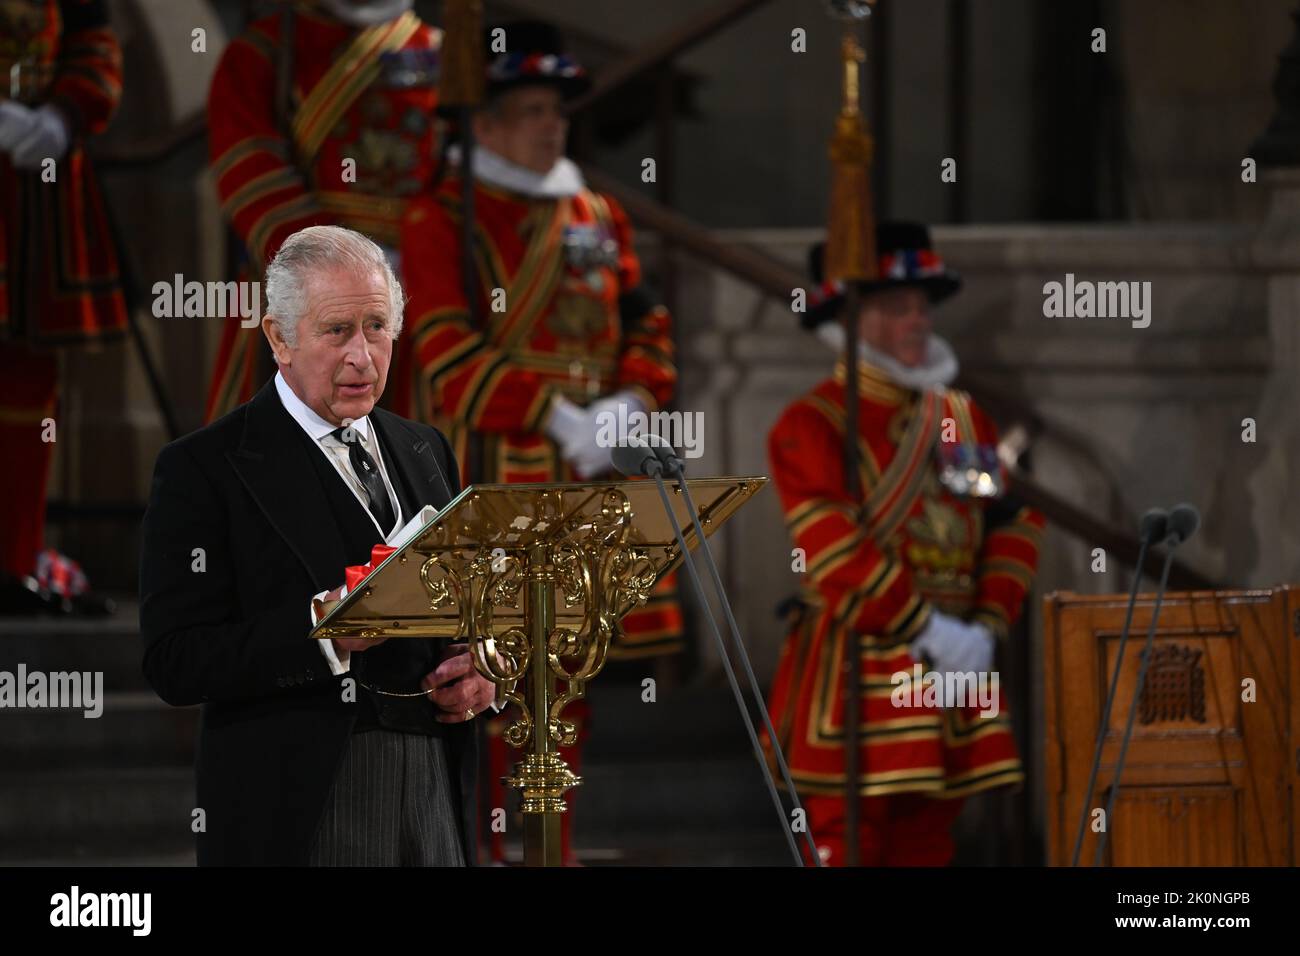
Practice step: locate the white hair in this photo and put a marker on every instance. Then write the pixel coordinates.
(318, 248)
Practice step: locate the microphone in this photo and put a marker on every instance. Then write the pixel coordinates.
(636, 458)
(1153, 524)
(667, 455)
(1184, 519)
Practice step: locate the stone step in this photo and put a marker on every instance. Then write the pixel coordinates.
(95, 812)
(135, 730)
(109, 645)
(682, 721)
(677, 794)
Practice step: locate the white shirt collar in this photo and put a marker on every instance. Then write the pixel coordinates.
(564, 178)
(311, 423)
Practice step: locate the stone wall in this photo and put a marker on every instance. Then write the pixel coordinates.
(1154, 129)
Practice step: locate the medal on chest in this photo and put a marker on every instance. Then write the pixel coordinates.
(408, 68)
(588, 248)
(970, 471)
(580, 310)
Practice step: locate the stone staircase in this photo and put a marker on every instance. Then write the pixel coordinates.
(114, 789)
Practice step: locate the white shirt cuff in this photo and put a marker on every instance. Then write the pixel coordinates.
(337, 665)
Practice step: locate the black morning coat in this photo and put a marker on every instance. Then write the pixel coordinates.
(226, 628)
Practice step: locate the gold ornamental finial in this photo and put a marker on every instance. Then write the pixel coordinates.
(850, 230)
(852, 54)
(463, 57)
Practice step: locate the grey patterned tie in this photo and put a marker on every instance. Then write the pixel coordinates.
(364, 467)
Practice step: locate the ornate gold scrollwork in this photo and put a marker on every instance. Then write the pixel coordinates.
(575, 564)
(629, 575)
(610, 526)
(572, 574)
(504, 582)
(474, 587)
(446, 589)
(497, 580)
(604, 573)
(507, 666)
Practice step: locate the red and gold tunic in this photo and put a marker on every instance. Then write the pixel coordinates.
(548, 327)
(362, 95)
(882, 564)
(59, 282)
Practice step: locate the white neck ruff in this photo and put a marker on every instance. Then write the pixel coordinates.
(368, 14)
(563, 179)
(939, 368)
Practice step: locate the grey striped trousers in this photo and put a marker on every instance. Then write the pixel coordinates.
(390, 805)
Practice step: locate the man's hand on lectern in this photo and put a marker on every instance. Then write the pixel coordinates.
(346, 645)
(459, 691)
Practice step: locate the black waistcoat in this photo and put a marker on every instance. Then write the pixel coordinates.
(399, 664)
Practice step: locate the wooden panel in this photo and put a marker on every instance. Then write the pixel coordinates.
(1193, 735)
(1179, 826)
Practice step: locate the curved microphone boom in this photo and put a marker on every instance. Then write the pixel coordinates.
(652, 455)
(1183, 521)
(1151, 530)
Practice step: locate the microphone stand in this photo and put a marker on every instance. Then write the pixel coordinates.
(1171, 543)
(655, 468)
(1110, 697)
(674, 467)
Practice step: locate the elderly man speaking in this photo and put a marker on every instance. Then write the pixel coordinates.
(322, 753)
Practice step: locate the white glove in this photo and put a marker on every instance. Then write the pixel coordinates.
(952, 645)
(16, 121)
(607, 421)
(591, 460)
(47, 139)
(608, 415)
(574, 429)
(610, 404)
(566, 422)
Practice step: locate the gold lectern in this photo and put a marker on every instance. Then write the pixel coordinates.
(534, 577)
